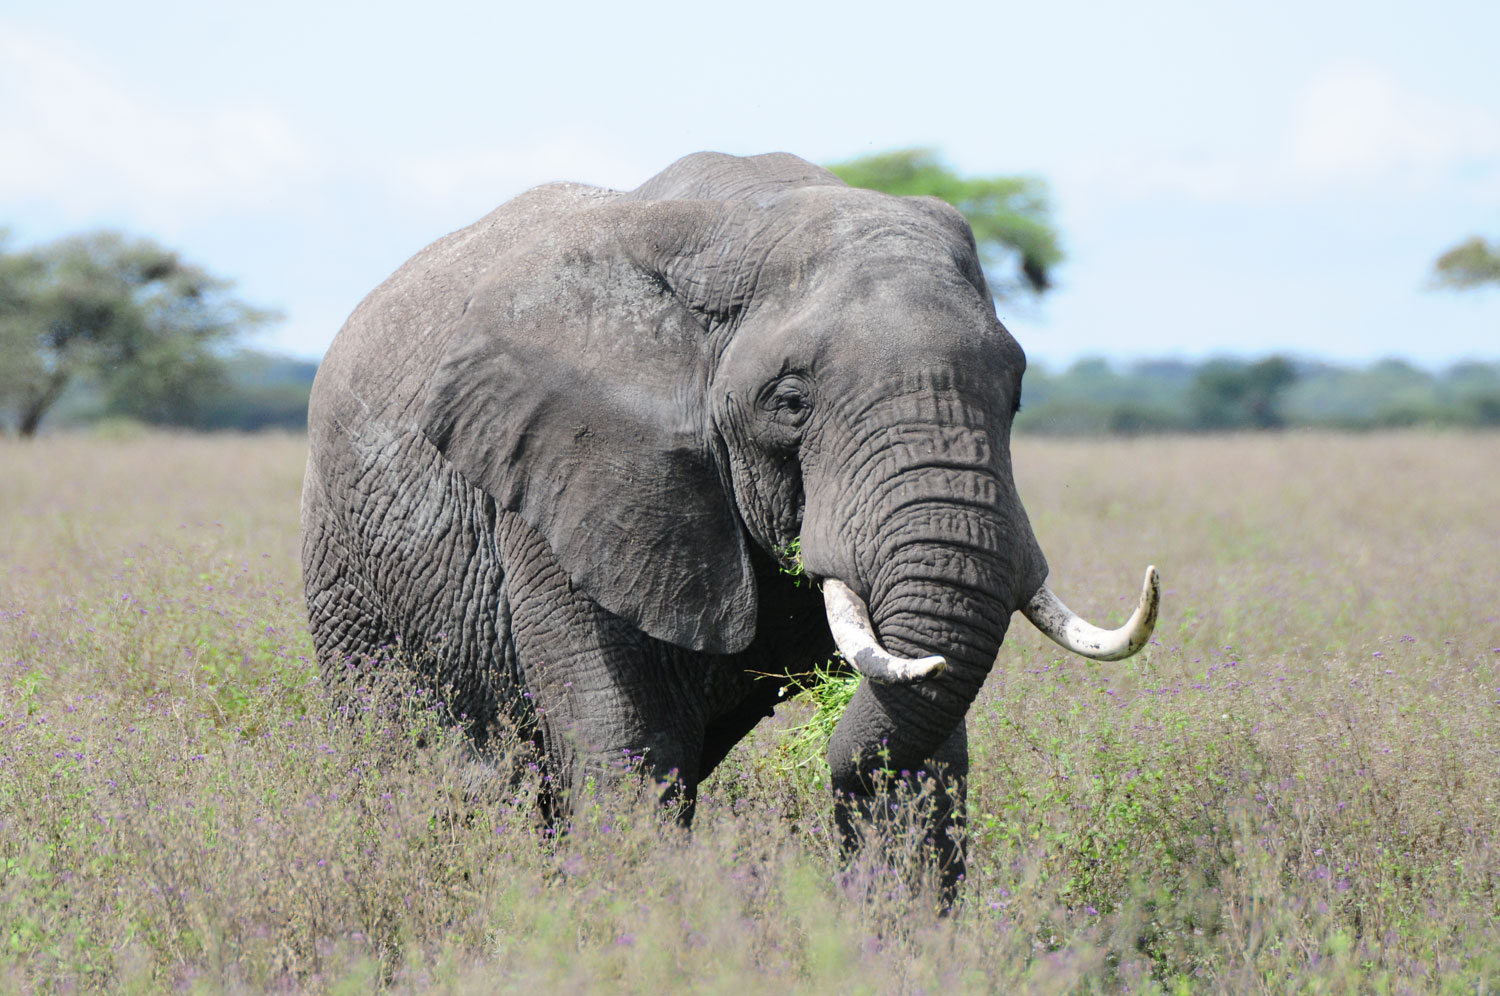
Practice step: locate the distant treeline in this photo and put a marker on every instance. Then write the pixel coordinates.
(261, 391)
(1092, 397)
(1097, 397)
(249, 392)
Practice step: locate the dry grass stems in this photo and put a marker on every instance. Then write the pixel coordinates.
(1294, 789)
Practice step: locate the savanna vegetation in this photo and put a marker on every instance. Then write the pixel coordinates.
(1293, 789)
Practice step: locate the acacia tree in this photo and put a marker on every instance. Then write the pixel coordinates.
(1010, 215)
(128, 313)
(1469, 264)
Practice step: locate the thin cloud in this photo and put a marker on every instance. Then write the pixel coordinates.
(87, 142)
(1352, 128)
(1356, 123)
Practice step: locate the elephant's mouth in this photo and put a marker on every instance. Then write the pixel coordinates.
(849, 620)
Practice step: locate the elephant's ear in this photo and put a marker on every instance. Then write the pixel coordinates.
(572, 392)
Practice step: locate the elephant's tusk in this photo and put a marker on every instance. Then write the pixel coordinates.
(1048, 614)
(849, 619)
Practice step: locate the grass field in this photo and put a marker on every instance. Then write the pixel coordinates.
(1293, 790)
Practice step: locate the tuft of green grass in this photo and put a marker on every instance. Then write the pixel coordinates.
(802, 752)
(789, 562)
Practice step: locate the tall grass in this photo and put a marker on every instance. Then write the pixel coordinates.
(1293, 789)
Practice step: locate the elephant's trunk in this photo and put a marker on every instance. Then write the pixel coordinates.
(947, 596)
(935, 598)
(854, 635)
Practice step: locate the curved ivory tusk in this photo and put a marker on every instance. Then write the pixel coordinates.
(849, 619)
(1048, 614)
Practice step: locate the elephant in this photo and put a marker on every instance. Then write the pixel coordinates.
(579, 461)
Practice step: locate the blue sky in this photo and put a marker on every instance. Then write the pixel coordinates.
(1228, 179)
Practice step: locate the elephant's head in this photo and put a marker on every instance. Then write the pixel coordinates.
(747, 351)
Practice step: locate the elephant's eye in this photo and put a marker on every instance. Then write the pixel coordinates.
(788, 401)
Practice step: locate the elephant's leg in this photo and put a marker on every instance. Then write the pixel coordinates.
(728, 729)
(400, 571)
(614, 715)
(864, 820)
(344, 617)
(609, 701)
(951, 811)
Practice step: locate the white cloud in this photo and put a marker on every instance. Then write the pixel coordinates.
(1352, 127)
(85, 141)
(1355, 123)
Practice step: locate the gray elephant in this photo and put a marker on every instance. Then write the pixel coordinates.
(562, 459)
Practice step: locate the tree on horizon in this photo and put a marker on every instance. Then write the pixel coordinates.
(1471, 263)
(128, 314)
(1011, 215)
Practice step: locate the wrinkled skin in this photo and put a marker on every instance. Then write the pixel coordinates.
(558, 458)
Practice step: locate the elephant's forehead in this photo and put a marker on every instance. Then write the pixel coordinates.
(890, 310)
(822, 221)
(838, 246)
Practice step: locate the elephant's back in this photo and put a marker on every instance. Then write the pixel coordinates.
(381, 361)
(366, 451)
